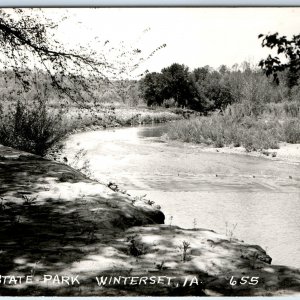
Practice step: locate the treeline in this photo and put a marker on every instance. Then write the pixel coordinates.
(107, 93)
(241, 106)
(205, 89)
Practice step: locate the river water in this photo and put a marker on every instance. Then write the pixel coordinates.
(255, 199)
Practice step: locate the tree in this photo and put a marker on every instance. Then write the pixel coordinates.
(202, 89)
(177, 84)
(223, 69)
(172, 83)
(28, 43)
(200, 100)
(200, 74)
(152, 88)
(211, 90)
(290, 49)
(34, 65)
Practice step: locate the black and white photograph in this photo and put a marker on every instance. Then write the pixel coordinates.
(150, 151)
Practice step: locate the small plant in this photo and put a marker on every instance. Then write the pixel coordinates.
(195, 223)
(160, 266)
(185, 246)
(142, 198)
(35, 266)
(139, 198)
(86, 168)
(81, 163)
(230, 230)
(79, 155)
(29, 201)
(135, 249)
(150, 202)
(171, 219)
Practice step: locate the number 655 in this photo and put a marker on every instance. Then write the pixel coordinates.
(244, 280)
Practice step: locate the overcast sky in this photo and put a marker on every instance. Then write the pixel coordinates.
(194, 36)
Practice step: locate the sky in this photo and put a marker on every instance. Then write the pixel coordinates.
(194, 36)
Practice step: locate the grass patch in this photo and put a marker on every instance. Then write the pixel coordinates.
(31, 128)
(224, 130)
(108, 117)
(291, 129)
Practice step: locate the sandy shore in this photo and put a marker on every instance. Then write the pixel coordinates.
(286, 152)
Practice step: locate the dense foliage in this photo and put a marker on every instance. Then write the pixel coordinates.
(290, 50)
(243, 106)
(31, 128)
(41, 80)
(29, 42)
(201, 89)
(41, 74)
(205, 89)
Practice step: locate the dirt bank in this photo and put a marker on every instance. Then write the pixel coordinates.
(56, 221)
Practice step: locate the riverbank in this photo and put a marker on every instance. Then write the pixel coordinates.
(58, 221)
(89, 120)
(289, 153)
(267, 135)
(36, 129)
(78, 121)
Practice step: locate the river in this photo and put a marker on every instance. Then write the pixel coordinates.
(255, 199)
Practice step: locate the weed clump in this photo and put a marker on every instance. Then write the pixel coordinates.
(184, 248)
(31, 128)
(135, 249)
(219, 130)
(291, 129)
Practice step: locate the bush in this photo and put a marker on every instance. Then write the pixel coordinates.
(286, 109)
(219, 130)
(291, 129)
(292, 109)
(31, 129)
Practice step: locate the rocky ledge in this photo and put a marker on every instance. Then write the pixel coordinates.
(62, 233)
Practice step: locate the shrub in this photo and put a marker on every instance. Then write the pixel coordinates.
(225, 130)
(292, 109)
(31, 129)
(286, 109)
(291, 129)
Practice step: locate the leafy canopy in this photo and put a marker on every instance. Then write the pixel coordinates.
(202, 89)
(27, 43)
(290, 49)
